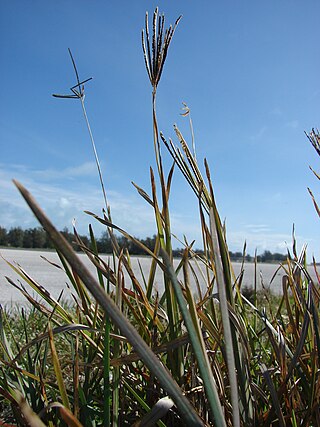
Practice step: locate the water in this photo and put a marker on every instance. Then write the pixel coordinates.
(55, 280)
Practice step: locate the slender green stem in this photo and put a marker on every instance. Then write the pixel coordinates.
(95, 153)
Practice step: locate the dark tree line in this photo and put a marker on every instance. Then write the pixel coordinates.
(266, 256)
(29, 238)
(37, 238)
(16, 237)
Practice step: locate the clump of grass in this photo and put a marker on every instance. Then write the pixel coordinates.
(124, 355)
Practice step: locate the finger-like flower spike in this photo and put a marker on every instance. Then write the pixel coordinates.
(78, 89)
(314, 138)
(155, 47)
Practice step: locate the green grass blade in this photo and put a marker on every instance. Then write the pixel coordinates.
(203, 363)
(106, 371)
(225, 320)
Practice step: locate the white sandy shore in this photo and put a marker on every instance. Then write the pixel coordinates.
(54, 279)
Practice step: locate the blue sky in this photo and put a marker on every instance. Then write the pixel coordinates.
(248, 70)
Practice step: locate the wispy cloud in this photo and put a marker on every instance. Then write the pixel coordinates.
(84, 170)
(64, 203)
(276, 111)
(257, 136)
(292, 124)
(261, 238)
(257, 228)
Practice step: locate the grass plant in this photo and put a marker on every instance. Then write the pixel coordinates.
(121, 354)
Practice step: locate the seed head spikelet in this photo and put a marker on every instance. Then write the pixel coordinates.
(78, 92)
(155, 50)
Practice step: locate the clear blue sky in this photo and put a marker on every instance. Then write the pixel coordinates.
(248, 70)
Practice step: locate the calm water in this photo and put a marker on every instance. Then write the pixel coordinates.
(55, 280)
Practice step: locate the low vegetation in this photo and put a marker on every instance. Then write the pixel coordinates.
(122, 354)
(38, 238)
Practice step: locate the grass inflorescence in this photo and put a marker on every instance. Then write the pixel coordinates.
(123, 354)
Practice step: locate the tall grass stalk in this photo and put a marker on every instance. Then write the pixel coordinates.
(79, 93)
(155, 48)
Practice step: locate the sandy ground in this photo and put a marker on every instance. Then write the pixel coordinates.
(55, 280)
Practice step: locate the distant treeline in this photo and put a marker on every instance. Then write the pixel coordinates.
(37, 238)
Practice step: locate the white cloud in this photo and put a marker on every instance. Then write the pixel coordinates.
(87, 169)
(64, 203)
(292, 124)
(276, 111)
(262, 237)
(257, 228)
(257, 136)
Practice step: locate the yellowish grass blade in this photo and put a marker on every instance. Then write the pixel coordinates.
(57, 370)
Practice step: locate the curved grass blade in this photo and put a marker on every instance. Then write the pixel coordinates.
(55, 331)
(143, 405)
(32, 419)
(158, 411)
